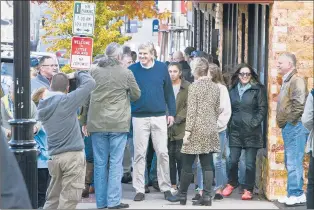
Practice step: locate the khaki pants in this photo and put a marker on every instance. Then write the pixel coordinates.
(142, 128)
(67, 171)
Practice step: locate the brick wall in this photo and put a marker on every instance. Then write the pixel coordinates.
(291, 29)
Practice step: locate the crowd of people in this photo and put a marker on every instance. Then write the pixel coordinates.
(164, 125)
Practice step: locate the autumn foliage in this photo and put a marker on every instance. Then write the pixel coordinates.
(107, 23)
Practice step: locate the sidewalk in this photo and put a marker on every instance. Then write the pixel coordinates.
(155, 200)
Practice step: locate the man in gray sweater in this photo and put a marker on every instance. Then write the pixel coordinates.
(58, 114)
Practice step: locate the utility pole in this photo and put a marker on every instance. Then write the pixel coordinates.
(22, 143)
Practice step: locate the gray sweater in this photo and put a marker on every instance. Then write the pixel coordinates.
(58, 114)
(307, 120)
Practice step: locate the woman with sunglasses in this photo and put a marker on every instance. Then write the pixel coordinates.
(249, 109)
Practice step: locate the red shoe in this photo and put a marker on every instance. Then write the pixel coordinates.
(247, 195)
(228, 190)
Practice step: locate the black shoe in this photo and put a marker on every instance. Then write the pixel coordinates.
(196, 197)
(120, 206)
(139, 197)
(147, 190)
(85, 193)
(167, 194)
(184, 186)
(203, 202)
(218, 196)
(156, 186)
(180, 197)
(127, 177)
(206, 196)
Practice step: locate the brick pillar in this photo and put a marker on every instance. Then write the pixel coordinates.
(291, 29)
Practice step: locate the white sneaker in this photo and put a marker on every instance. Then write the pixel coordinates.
(173, 191)
(283, 199)
(294, 200)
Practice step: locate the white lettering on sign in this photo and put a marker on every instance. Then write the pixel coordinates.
(82, 42)
(81, 52)
(84, 19)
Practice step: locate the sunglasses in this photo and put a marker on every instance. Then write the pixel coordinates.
(52, 65)
(245, 74)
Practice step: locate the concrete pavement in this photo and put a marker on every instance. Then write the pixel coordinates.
(155, 200)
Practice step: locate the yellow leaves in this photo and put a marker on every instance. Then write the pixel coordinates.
(107, 23)
(67, 69)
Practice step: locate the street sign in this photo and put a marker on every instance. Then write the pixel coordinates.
(81, 52)
(155, 25)
(83, 18)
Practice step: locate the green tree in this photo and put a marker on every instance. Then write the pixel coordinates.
(107, 23)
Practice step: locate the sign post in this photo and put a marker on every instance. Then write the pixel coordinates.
(84, 18)
(81, 52)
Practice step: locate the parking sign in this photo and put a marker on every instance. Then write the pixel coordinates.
(83, 18)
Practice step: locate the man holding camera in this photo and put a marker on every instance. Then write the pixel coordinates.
(58, 113)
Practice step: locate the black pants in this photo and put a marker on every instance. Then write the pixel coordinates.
(149, 158)
(250, 163)
(310, 185)
(43, 183)
(175, 160)
(205, 159)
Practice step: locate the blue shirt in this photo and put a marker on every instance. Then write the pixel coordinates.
(243, 88)
(157, 96)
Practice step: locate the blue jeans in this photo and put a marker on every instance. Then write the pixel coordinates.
(89, 149)
(242, 168)
(250, 167)
(220, 162)
(108, 149)
(199, 173)
(152, 175)
(294, 138)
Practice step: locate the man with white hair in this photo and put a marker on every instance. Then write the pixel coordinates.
(151, 114)
(186, 70)
(290, 107)
(108, 120)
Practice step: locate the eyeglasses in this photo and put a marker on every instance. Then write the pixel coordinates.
(52, 65)
(245, 74)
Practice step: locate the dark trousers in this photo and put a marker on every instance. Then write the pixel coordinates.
(149, 159)
(310, 185)
(250, 163)
(205, 159)
(43, 183)
(175, 160)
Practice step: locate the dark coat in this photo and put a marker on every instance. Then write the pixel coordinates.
(176, 132)
(245, 129)
(186, 71)
(14, 194)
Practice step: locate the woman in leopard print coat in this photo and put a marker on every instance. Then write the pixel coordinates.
(201, 135)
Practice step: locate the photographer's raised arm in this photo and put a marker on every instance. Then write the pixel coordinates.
(86, 85)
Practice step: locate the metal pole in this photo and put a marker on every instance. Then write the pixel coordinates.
(22, 143)
(129, 26)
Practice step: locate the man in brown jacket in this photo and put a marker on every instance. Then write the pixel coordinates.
(290, 107)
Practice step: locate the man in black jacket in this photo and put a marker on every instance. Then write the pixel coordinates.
(186, 70)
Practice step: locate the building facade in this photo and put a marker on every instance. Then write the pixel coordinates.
(257, 32)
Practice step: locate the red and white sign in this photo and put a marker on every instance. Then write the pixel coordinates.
(81, 52)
